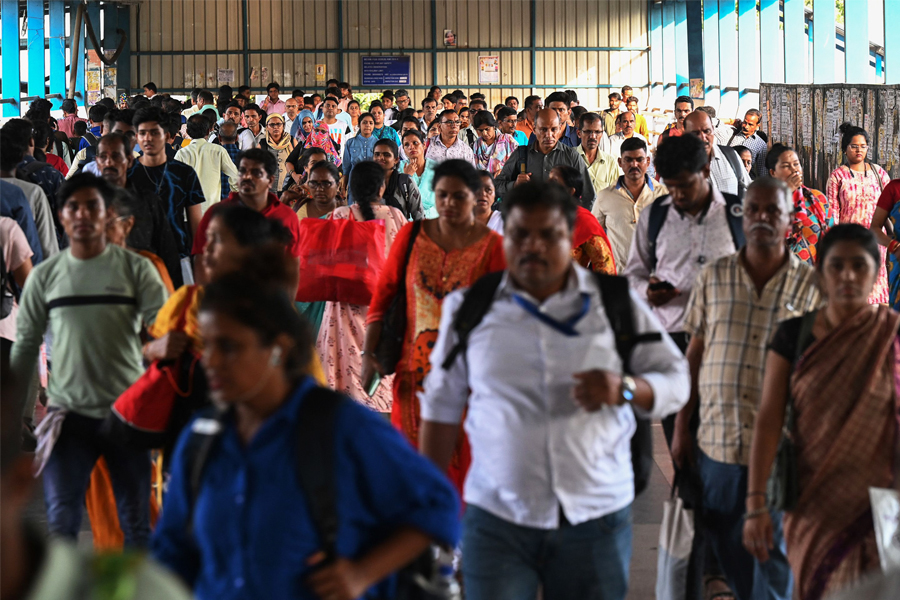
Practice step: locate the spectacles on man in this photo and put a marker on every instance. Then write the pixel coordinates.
(451, 123)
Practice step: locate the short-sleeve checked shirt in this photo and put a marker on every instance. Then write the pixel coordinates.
(736, 324)
(758, 148)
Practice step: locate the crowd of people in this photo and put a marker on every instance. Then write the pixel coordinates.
(301, 348)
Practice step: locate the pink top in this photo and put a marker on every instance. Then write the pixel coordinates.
(853, 197)
(16, 251)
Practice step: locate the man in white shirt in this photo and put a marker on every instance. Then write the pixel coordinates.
(619, 206)
(627, 121)
(726, 170)
(210, 161)
(291, 110)
(550, 488)
(254, 133)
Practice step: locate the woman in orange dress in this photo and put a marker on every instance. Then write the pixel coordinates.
(448, 253)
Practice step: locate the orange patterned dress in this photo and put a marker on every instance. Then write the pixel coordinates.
(432, 273)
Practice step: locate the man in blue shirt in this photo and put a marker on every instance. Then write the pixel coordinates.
(95, 114)
(15, 206)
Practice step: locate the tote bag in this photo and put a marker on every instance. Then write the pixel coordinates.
(340, 260)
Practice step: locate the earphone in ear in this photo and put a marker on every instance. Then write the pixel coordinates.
(275, 359)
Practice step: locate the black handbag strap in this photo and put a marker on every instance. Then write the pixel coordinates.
(417, 226)
(804, 339)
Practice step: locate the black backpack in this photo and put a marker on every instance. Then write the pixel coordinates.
(315, 450)
(6, 296)
(616, 297)
(658, 212)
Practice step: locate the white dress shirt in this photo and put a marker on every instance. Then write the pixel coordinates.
(721, 173)
(685, 244)
(534, 449)
(617, 139)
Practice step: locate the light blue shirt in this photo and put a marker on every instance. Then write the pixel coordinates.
(425, 186)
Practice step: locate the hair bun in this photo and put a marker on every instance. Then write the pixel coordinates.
(845, 127)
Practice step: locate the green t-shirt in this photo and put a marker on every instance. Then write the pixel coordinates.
(94, 309)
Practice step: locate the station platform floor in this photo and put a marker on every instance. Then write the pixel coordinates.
(647, 515)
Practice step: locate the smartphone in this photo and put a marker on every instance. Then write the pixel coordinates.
(661, 286)
(373, 387)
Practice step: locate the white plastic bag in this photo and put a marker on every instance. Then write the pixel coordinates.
(676, 536)
(886, 514)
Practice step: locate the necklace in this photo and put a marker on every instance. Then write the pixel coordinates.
(162, 178)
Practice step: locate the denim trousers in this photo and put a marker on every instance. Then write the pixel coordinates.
(68, 472)
(724, 502)
(504, 561)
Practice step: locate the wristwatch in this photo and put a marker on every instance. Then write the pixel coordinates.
(629, 387)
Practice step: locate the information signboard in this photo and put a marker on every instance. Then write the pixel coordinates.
(380, 71)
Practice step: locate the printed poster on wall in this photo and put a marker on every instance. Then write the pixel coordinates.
(320, 73)
(225, 75)
(697, 91)
(488, 69)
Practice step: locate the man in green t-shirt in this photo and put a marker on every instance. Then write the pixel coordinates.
(94, 297)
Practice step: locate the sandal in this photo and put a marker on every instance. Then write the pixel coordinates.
(720, 590)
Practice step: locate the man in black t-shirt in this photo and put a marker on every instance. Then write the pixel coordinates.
(173, 181)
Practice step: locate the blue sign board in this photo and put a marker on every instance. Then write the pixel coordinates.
(380, 71)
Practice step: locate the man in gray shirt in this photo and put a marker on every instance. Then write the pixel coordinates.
(535, 161)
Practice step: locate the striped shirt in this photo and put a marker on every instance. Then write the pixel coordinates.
(758, 148)
(736, 324)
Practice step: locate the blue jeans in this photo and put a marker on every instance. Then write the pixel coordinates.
(68, 472)
(504, 561)
(724, 503)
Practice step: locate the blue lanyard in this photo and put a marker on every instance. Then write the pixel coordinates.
(565, 327)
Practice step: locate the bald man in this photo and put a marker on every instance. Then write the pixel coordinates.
(543, 152)
(726, 170)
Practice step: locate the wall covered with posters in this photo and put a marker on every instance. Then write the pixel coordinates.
(807, 117)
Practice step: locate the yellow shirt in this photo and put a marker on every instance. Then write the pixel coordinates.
(168, 316)
(210, 161)
(604, 171)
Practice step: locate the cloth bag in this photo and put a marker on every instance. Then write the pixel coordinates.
(340, 260)
(886, 514)
(676, 537)
(140, 416)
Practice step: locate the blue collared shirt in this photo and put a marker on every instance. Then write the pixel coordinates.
(253, 533)
(621, 183)
(15, 206)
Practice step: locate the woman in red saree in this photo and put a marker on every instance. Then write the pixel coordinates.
(449, 253)
(590, 246)
(844, 388)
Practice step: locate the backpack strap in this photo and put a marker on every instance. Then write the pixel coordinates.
(734, 160)
(616, 297)
(206, 430)
(476, 303)
(657, 218)
(734, 213)
(804, 341)
(90, 137)
(31, 168)
(315, 448)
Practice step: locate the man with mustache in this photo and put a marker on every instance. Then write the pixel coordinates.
(151, 230)
(734, 308)
(726, 170)
(557, 473)
(747, 133)
(257, 169)
(619, 206)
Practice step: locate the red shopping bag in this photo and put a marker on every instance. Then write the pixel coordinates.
(340, 260)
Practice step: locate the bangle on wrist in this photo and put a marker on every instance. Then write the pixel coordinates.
(893, 245)
(754, 514)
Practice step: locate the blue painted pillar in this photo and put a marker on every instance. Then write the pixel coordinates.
(657, 73)
(796, 44)
(124, 62)
(682, 69)
(856, 42)
(728, 59)
(695, 39)
(669, 50)
(824, 17)
(771, 55)
(748, 54)
(9, 27)
(57, 43)
(711, 52)
(36, 69)
(891, 42)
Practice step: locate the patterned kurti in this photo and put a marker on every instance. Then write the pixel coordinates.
(813, 216)
(431, 274)
(492, 158)
(343, 330)
(853, 197)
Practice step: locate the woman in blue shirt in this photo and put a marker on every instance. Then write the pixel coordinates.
(244, 529)
(361, 146)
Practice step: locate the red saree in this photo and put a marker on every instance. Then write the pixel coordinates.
(431, 274)
(844, 390)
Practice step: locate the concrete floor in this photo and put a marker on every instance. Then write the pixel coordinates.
(647, 516)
